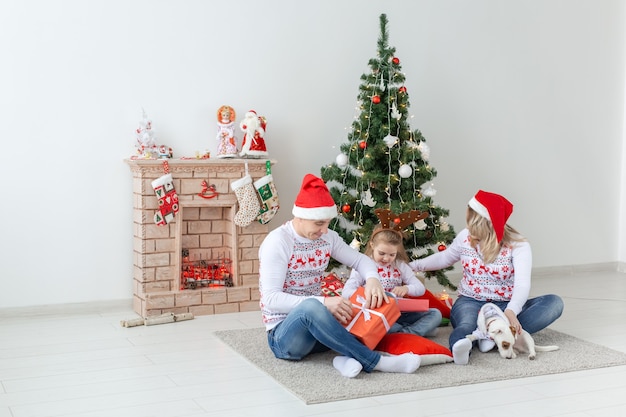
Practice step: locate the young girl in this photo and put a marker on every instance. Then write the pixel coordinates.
(387, 250)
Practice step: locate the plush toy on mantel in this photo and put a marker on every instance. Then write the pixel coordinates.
(253, 144)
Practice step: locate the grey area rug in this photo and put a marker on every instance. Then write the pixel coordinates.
(314, 380)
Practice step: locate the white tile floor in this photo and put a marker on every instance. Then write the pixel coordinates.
(77, 361)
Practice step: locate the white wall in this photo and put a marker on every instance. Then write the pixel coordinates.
(522, 98)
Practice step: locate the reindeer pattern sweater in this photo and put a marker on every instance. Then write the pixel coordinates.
(292, 267)
(507, 278)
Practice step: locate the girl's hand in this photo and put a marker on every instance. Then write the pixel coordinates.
(400, 291)
(374, 293)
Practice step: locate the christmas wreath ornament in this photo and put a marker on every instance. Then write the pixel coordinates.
(405, 171)
(166, 196)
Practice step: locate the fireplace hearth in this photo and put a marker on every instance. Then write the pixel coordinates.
(202, 242)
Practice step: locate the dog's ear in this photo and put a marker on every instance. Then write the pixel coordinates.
(513, 330)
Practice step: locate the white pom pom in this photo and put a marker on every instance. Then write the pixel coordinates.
(405, 171)
(341, 160)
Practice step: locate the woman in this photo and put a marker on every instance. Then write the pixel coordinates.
(497, 262)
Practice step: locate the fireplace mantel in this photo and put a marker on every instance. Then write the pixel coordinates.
(157, 249)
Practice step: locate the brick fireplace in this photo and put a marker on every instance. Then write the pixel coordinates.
(202, 230)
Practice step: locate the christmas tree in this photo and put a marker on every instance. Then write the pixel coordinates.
(384, 166)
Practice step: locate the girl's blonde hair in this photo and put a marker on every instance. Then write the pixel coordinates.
(481, 231)
(389, 236)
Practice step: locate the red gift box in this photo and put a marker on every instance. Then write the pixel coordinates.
(371, 325)
(331, 286)
(412, 304)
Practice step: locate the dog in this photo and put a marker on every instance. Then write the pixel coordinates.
(493, 325)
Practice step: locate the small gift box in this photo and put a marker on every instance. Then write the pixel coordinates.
(332, 286)
(412, 304)
(371, 325)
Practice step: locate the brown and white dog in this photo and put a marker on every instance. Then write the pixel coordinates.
(493, 324)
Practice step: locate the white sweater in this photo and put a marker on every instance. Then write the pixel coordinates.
(507, 278)
(292, 267)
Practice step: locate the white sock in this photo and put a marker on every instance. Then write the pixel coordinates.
(461, 351)
(348, 367)
(485, 345)
(407, 363)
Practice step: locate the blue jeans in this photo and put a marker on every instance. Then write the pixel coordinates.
(311, 328)
(420, 323)
(537, 314)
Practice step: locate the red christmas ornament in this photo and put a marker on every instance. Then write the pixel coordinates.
(402, 89)
(395, 60)
(362, 144)
(376, 99)
(441, 247)
(346, 208)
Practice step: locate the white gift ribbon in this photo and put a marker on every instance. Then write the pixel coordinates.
(366, 312)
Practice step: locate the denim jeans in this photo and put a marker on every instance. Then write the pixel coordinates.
(420, 323)
(537, 314)
(311, 328)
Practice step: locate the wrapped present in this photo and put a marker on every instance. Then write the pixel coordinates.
(371, 325)
(412, 304)
(332, 286)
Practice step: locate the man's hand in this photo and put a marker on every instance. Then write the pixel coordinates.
(340, 308)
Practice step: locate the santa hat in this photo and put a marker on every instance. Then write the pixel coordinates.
(492, 207)
(314, 201)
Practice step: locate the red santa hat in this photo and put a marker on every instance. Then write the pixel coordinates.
(314, 201)
(492, 207)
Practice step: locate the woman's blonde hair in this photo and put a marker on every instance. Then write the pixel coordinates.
(481, 231)
(389, 236)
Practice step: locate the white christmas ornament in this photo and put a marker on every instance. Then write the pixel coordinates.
(341, 160)
(424, 150)
(390, 141)
(420, 225)
(355, 244)
(367, 199)
(395, 113)
(444, 226)
(430, 191)
(405, 171)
